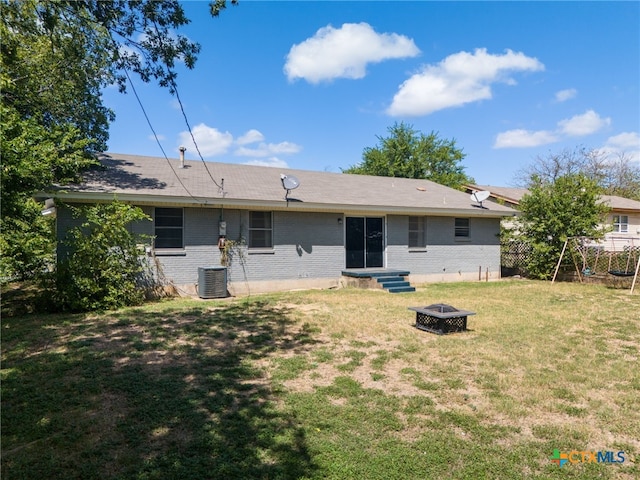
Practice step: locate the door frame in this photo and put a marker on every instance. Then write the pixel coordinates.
(383, 247)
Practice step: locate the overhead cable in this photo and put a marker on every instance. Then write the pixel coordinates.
(133, 88)
(174, 87)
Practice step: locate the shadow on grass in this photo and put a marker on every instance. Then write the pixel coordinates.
(140, 394)
(22, 298)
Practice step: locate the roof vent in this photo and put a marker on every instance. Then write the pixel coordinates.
(182, 150)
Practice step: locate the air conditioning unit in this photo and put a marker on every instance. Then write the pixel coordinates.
(212, 282)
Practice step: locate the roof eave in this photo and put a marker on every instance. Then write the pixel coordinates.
(631, 211)
(291, 205)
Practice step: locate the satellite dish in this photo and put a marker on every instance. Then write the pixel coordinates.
(480, 197)
(289, 182)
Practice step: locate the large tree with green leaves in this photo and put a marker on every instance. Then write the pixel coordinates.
(411, 154)
(56, 57)
(554, 211)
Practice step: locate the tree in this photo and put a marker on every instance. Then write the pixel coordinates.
(554, 211)
(33, 157)
(615, 174)
(622, 177)
(410, 154)
(55, 59)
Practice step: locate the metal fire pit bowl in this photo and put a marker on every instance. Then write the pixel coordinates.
(441, 318)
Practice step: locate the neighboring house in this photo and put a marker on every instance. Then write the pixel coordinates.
(623, 221)
(304, 238)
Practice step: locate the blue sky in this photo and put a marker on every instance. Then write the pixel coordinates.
(310, 85)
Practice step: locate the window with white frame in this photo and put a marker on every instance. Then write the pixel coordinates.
(621, 223)
(416, 232)
(462, 230)
(169, 227)
(260, 230)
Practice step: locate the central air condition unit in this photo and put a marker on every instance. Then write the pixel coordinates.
(212, 282)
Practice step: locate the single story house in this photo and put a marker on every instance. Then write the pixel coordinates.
(622, 222)
(305, 236)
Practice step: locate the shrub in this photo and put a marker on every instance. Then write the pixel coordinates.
(104, 265)
(554, 211)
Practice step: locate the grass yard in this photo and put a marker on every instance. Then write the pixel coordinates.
(333, 384)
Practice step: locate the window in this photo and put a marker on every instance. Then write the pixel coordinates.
(260, 230)
(168, 227)
(621, 223)
(462, 228)
(416, 232)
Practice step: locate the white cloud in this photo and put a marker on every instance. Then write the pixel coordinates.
(268, 162)
(160, 138)
(576, 126)
(524, 139)
(585, 124)
(211, 141)
(564, 95)
(266, 149)
(458, 79)
(252, 136)
(626, 143)
(344, 52)
(127, 51)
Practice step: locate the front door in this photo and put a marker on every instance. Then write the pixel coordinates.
(364, 242)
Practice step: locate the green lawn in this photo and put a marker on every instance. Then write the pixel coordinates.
(334, 384)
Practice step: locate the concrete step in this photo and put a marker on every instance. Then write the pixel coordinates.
(389, 278)
(374, 273)
(395, 283)
(401, 289)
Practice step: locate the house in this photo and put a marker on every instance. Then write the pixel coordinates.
(304, 237)
(622, 222)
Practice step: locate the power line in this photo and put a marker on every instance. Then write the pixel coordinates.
(156, 136)
(175, 89)
(186, 120)
(174, 86)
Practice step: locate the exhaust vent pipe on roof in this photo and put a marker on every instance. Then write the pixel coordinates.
(182, 150)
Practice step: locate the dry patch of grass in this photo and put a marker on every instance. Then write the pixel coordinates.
(549, 363)
(327, 384)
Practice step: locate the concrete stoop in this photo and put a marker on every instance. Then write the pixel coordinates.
(392, 281)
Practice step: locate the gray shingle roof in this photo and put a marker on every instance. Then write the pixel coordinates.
(621, 203)
(515, 195)
(155, 180)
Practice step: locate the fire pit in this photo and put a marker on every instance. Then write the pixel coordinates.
(441, 318)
